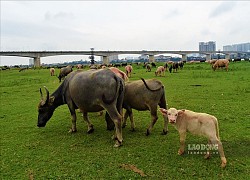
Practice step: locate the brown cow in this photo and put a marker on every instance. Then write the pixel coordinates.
(128, 70)
(160, 71)
(52, 71)
(196, 123)
(221, 63)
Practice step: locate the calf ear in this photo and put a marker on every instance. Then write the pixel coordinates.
(181, 112)
(163, 111)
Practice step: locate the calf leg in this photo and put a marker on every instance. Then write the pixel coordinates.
(86, 119)
(215, 141)
(182, 142)
(207, 156)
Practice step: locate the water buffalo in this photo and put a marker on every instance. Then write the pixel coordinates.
(89, 91)
(64, 72)
(144, 95)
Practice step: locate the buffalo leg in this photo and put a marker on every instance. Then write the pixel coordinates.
(110, 122)
(117, 119)
(154, 118)
(129, 113)
(73, 117)
(86, 119)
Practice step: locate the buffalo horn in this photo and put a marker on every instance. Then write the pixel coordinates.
(41, 94)
(47, 92)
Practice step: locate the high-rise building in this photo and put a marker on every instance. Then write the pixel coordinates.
(207, 46)
(244, 47)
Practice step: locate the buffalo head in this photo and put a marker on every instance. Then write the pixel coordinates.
(45, 108)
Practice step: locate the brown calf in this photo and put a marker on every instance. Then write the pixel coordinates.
(196, 123)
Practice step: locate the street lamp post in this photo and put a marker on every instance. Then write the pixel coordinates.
(92, 57)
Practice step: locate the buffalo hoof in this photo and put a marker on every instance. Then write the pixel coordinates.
(72, 130)
(164, 132)
(132, 130)
(90, 131)
(117, 144)
(124, 125)
(148, 132)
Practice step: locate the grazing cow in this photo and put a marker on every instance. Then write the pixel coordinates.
(221, 63)
(160, 71)
(89, 91)
(64, 72)
(196, 123)
(144, 95)
(79, 66)
(181, 64)
(148, 67)
(128, 70)
(175, 66)
(52, 71)
(212, 61)
(119, 73)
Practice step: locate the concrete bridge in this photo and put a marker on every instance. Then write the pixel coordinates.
(37, 55)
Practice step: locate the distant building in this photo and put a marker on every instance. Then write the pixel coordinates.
(111, 58)
(207, 46)
(31, 62)
(245, 47)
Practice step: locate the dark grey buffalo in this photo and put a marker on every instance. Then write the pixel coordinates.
(144, 95)
(64, 72)
(90, 91)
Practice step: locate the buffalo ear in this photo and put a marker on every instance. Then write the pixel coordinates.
(51, 100)
(181, 112)
(163, 111)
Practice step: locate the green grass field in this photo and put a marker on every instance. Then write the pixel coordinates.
(29, 152)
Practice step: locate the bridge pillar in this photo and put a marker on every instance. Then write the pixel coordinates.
(227, 56)
(184, 57)
(37, 61)
(208, 57)
(105, 59)
(151, 58)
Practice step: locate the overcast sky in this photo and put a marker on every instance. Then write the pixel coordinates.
(119, 25)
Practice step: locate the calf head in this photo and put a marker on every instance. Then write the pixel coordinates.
(172, 114)
(45, 109)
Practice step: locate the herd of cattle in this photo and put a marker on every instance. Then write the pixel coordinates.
(108, 88)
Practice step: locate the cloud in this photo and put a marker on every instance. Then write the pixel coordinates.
(60, 15)
(173, 13)
(223, 8)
